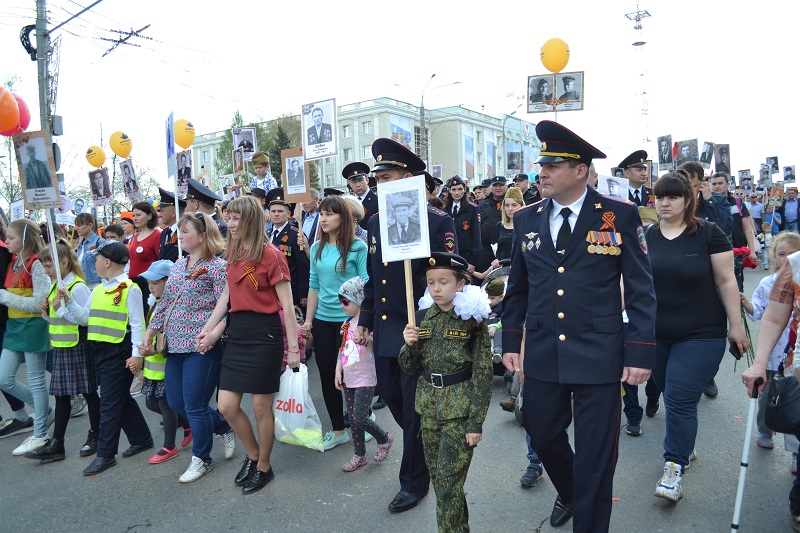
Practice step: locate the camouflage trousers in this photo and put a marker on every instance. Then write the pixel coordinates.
(448, 457)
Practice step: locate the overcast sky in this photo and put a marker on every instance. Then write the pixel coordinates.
(717, 71)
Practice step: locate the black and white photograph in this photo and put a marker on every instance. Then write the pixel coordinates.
(722, 158)
(540, 93)
(747, 185)
(402, 204)
(743, 174)
(765, 176)
(773, 164)
(514, 161)
(184, 170)
(17, 210)
(34, 152)
(78, 206)
(788, 173)
(129, 184)
(101, 186)
(436, 171)
(687, 151)
(295, 177)
(245, 138)
(170, 135)
(665, 151)
(238, 162)
(320, 131)
(706, 154)
(232, 192)
(618, 172)
(613, 187)
(569, 91)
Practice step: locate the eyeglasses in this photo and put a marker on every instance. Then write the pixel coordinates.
(343, 300)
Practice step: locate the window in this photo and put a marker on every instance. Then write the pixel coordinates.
(347, 131)
(347, 154)
(327, 160)
(205, 156)
(328, 180)
(366, 152)
(478, 136)
(366, 128)
(479, 156)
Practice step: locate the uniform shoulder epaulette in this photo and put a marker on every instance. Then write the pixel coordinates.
(473, 204)
(294, 228)
(373, 216)
(617, 200)
(436, 211)
(530, 205)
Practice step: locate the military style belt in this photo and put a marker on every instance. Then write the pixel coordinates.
(440, 381)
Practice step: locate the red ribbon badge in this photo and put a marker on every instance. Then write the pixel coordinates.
(118, 292)
(199, 273)
(608, 221)
(249, 271)
(465, 225)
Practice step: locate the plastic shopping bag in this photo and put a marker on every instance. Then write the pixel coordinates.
(296, 419)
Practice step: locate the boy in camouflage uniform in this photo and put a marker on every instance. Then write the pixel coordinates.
(455, 387)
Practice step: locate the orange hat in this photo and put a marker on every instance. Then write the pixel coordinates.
(126, 215)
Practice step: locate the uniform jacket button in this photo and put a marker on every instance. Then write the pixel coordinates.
(560, 315)
(562, 337)
(560, 292)
(560, 270)
(383, 317)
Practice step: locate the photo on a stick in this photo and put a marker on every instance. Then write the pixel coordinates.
(403, 209)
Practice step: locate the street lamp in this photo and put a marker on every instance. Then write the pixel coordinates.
(505, 154)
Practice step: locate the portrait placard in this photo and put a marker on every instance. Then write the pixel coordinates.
(320, 129)
(569, 88)
(743, 174)
(170, 135)
(184, 160)
(788, 173)
(101, 186)
(687, 151)
(540, 93)
(765, 176)
(775, 196)
(245, 138)
(664, 152)
(403, 212)
(238, 162)
(129, 184)
(613, 187)
(79, 206)
(722, 158)
(706, 154)
(37, 168)
(772, 162)
(296, 176)
(17, 210)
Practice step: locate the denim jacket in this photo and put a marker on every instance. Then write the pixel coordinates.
(87, 261)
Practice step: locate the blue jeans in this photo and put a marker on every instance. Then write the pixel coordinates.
(190, 380)
(682, 370)
(35, 392)
(791, 226)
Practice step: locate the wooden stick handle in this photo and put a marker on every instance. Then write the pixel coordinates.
(410, 307)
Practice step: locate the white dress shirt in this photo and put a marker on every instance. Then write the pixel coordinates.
(556, 219)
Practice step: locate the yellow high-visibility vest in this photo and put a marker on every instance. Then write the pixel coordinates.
(63, 333)
(108, 316)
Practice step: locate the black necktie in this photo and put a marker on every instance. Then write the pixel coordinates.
(403, 235)
(167, 235)
(565, 232)
(274, 235)
(455, 210)
(636, 196)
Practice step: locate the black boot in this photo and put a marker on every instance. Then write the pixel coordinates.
(53, 451)
(90, 446)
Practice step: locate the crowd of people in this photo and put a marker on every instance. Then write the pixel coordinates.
(218, 303)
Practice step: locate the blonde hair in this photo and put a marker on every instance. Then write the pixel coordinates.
(250, 240)
(64, 251)
(516, 195)
(30, 234)
(204, 224)
(790, 238)
(355, 205)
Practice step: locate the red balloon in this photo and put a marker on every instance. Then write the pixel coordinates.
(24, 118)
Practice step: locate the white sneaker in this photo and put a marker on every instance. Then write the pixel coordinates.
(31, 444)
(669, 487)
(197, 469)
(229, 443)
(692, 457)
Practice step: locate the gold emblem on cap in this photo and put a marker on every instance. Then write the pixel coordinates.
(380, 158)
(432, 261)
(544, 145)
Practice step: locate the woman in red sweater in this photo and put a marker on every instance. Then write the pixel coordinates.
(144, 246)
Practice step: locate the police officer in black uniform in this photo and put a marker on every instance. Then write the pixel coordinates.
(530, 195)
(356, 176)
(169, 236)
(491, 213)
(201, 198)
(283, 234)
(635, 167)
(564, 289)
(467, 221)
(384, 313)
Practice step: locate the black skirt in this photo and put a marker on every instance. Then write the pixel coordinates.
(252, 354)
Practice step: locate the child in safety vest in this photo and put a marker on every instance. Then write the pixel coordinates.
(153, 387)
(451, 349)
(66, 307)
(355, 375)
(116, 326)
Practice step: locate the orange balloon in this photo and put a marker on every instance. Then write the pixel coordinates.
(9, 110)
(95, 156)
(121, 144)
(555, 55)
(184, 133)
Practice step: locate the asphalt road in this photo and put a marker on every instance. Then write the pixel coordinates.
(310, 492)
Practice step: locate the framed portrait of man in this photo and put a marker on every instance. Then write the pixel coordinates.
(129, 184)
(664, 152)
(184, 170)
(569, 91)
(100, 186)
(765, 176)
(772, 162)
(540, 93)
(79, 206)
(706, 154)
(613, 187)
(402, 206)
(170, 135)
(436, 171)
(320, 130)
(296, 176)
(238, 162)
(722, 158)
(245, 138)
(37, 168)
(788, 173)
(687, 151)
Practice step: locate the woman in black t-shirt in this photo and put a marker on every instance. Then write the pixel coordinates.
(696, 295)
(505, 228)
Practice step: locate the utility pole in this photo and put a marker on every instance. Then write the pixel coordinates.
(42, 62)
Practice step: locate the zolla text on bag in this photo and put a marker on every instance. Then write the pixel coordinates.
(292, 406)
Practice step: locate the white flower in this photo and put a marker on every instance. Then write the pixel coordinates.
(151, 300)
(472, 302)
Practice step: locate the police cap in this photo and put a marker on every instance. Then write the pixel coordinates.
(355, 171)
(168, 199)
(635, 160)
(391, 155)
(201, 193)
(561, 144)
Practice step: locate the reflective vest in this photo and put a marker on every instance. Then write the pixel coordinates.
(108, 316)
(63, 333)
(154, 367)
(21, 283)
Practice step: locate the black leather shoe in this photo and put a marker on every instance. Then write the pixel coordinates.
(248, 467)
(561, 513)
(146, 444)
(633, 428)
(257, 480)
(53, 451)
(405, 501)
(100, 464)
(651, 409)
(89, 447)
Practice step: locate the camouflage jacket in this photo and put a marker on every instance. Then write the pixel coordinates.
(444, 347)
